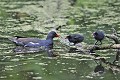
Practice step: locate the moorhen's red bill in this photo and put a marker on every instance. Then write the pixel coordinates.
(75, 38)
(99, 36)
(35, 42)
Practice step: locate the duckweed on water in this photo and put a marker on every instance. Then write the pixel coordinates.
(33, 18)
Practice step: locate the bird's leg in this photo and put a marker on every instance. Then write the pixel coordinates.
(112, 44)
(96, 43)
(96, 62)
(91, 50)
(100, 43)
(49, 52)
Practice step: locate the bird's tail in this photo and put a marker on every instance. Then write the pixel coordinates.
(13, 39)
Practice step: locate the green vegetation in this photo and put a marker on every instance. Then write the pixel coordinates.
(35, 18)
(96, 13)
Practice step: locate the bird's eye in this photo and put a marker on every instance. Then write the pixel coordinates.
(96, 33)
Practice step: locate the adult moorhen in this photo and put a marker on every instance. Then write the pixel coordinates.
(35, 42)
(75, 38)
(99, 36)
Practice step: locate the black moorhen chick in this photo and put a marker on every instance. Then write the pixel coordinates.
(75, 38)
(35, 42)
(99, 36)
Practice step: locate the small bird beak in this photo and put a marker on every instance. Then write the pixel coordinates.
(67, 37)
(57, 35)
(93, 34)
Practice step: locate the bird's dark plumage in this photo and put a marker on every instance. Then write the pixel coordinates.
(75, 38)
(99, 36)
(35, 42)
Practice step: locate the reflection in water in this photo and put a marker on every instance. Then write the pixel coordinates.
(2, 71)
(19, 49)
(30, 75)
(117, 56)
(99, 69)
(25, 50)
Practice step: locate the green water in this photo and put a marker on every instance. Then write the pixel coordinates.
(35, 18)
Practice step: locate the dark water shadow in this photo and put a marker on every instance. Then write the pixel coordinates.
(112, 65)
(99, 68)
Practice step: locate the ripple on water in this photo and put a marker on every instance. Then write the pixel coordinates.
(37, 78)
(3, 77)
(41, 64)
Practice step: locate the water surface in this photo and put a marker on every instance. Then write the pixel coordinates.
(36, 18)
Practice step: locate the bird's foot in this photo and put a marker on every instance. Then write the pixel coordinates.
(112, 44)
